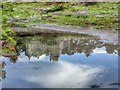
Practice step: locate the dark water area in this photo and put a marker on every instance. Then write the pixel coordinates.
(61, 61)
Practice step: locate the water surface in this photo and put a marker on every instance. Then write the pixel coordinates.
(61, 61)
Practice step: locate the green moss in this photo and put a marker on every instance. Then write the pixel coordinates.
(6, 50)
(32, 13)
(3, 35)
(7, 30)
(11, 40)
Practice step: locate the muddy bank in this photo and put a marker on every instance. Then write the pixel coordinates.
(107, 36)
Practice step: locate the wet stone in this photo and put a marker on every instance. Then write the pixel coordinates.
(94, 86)
(114, 84)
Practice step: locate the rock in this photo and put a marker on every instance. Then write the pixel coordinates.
(41, 9)
(2, 43)
(99, 16)
(3, 74)
(94, 86)
(13, 19)
(2, 65)
(9, 54)
(71, 13)
(10, 33)
(114, 84)
(84, 12)
(1, 6)
(90, 3)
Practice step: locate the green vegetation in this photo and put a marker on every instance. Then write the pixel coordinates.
(99, 15)
(7, 35)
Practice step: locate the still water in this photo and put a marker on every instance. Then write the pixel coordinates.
(61, 61)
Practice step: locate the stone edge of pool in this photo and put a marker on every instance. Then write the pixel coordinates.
(107, 36)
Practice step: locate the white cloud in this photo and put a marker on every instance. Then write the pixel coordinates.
(99, 50)
(50, 75)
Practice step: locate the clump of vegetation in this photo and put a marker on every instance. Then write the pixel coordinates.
(7, 35)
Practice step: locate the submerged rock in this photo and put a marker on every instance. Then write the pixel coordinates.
(114, 84)
(94, 86)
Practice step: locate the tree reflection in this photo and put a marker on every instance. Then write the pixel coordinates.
(54, 45)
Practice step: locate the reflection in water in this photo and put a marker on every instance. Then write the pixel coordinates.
(48, 74)
(80, 62)
(54, 45)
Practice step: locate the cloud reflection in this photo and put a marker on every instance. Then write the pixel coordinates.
(41, 73)
(99, 50)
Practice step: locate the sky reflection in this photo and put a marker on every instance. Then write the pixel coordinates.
(41, 73)
(60, 61)
(74, 71)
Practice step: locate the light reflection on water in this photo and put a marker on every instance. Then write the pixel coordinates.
(62, 61)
